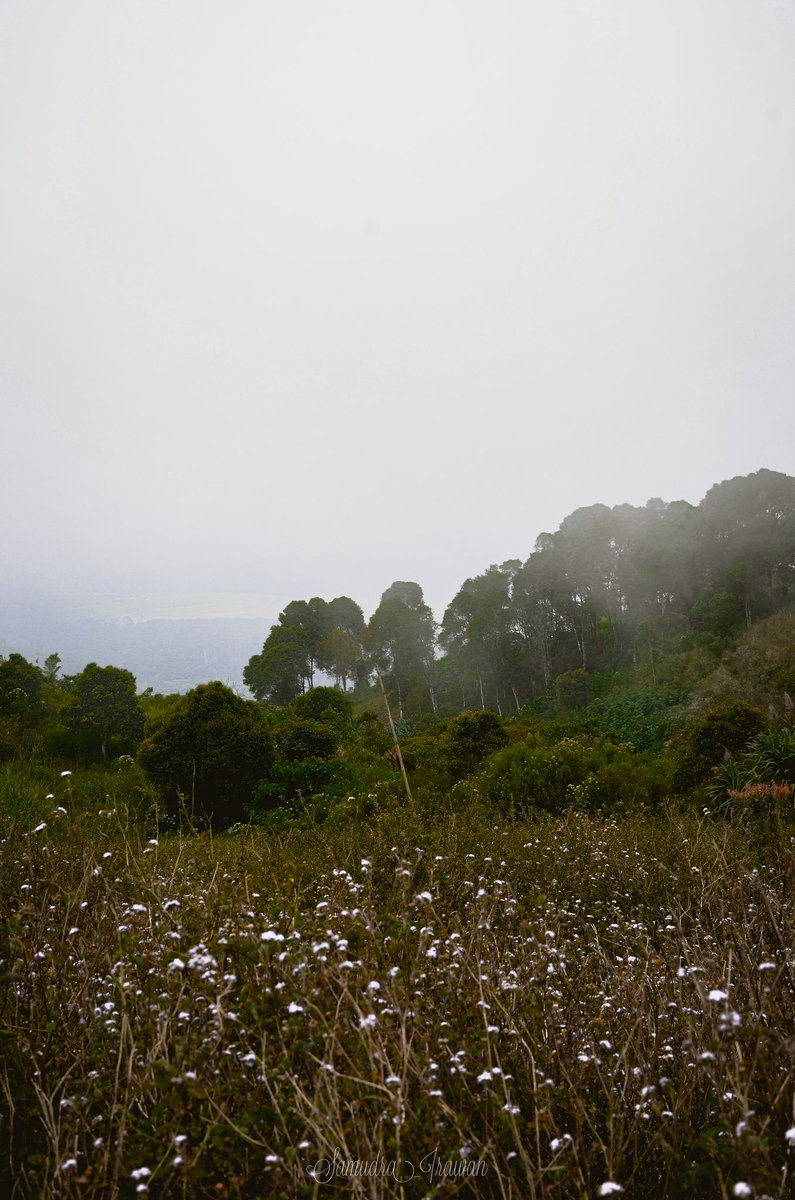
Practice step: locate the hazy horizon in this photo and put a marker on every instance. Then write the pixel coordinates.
(302, 299)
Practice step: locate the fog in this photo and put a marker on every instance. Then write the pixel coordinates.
(301, 298)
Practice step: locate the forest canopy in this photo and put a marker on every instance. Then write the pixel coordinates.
(613, 589)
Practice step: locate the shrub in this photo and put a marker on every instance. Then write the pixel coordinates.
(291, 782)
(724, 729)
(326, 704)
(583, 772)
(468, 740)
(761, 776)
(522, 777)
(297, 740)
(573, 691)
(211, 748)
(646, 717)
(772, 755)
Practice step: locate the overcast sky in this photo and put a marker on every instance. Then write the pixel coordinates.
(305, 296)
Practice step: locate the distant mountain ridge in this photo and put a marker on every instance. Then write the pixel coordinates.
(171, 655)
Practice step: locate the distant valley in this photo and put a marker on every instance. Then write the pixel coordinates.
(168, 654)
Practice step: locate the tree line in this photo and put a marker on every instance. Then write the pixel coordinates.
(554, 681)
(613, 587)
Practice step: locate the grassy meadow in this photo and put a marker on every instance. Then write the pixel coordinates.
(409, 1001)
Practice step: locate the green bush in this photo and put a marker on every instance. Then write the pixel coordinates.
(772, 754)
(761, 776)
(291, 782)
(646, 717)
(210, 749)
(583, 772)
(370, 733)
(468, 740)
(297, 740)
(702, 744)
(326, 704)
(524, 777)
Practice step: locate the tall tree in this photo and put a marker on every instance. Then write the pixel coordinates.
(283, 670)
(400, 639)
(478, 633)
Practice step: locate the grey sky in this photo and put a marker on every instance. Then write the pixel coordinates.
(304, 297)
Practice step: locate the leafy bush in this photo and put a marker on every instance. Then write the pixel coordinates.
(469, 739)
(297, 740)
(301, 780)
(646, 717)
(761, 776)
(772, 755)
(211, 749)
(326, 704)
(724, 729)
(524, 777)
(588, 773)
(370, 733)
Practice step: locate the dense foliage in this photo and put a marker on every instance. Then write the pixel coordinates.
(208, 752)
(613, 589)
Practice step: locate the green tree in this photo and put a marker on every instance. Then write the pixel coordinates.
(480, 638)
(284, 668)
(345, 614)
(751, 520)
(20, 685)
(104, 706)
(324, 704)
(704, 742)
(573, 690)
(52, 665)
(310, 635)
(340, 656)
(211, 748)
(401, 639)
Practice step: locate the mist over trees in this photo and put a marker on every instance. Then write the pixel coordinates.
(619, 627)
(612, 588)
(311, 635)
